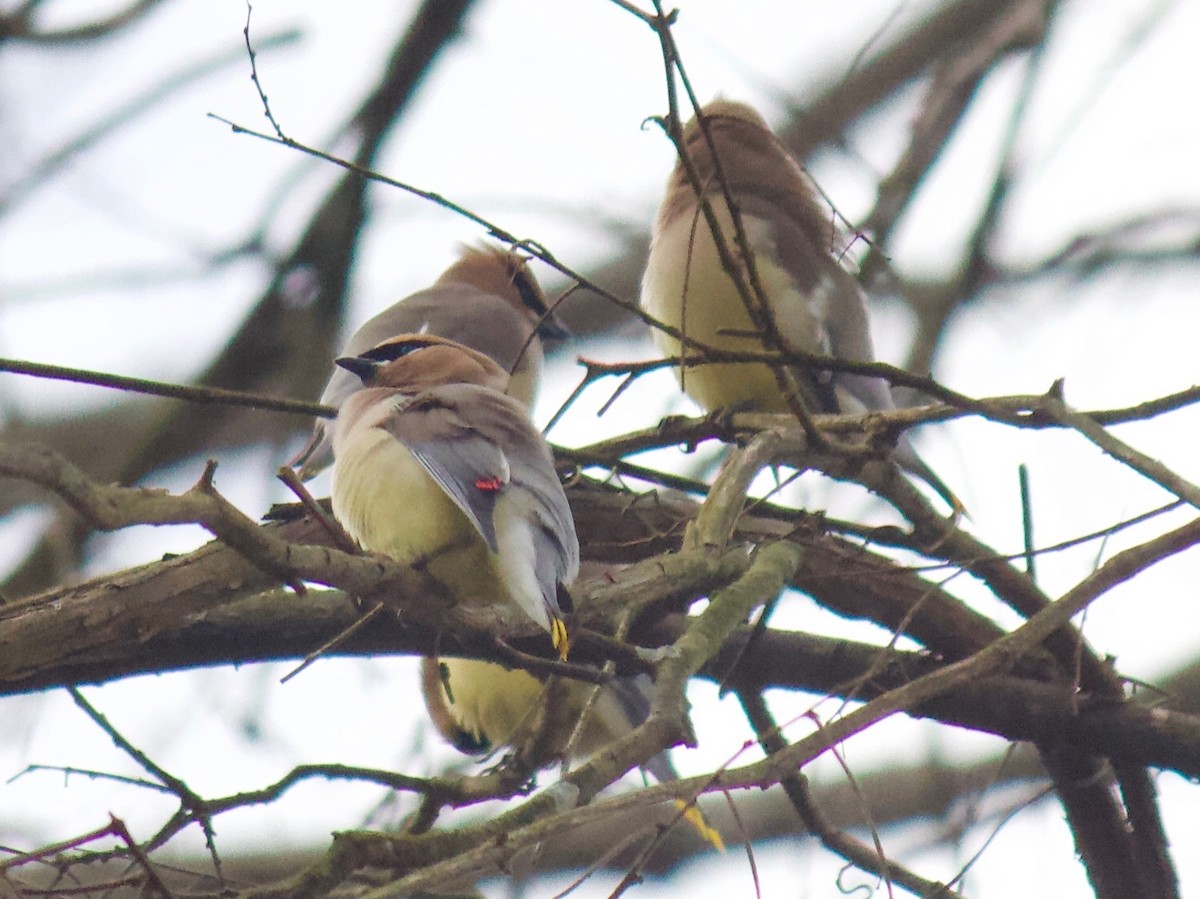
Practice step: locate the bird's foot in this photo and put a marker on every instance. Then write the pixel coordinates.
(722, 419)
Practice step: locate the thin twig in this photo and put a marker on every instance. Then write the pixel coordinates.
(206, 395)
(39, 175)
(262, 96)
(335, 641)
(535, 249)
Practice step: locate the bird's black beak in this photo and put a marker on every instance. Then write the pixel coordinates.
(551, 327)
(357, 365)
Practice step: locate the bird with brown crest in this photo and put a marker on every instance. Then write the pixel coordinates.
(480, 706)
(487, 300)
(433, 462)
(812, 304)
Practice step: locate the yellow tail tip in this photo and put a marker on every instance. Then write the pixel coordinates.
(695, 817)
(558, 636)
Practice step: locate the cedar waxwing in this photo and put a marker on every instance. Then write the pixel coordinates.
(488, 300)
(433, 462)
(478, 706)
(817, 306)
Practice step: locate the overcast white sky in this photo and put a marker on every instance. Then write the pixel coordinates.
(534, 119)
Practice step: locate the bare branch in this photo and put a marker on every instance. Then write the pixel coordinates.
(213, 395)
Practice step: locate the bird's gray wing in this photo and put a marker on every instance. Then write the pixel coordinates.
(846, 328)
(472, 469)
(504, 422)
(553, 512)
(556, 545)
(803, 250)
(477, 444)
(533, 469)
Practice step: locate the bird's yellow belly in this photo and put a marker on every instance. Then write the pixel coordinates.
(388, 503)
(489, 701)
(686, 287)
(498, 705)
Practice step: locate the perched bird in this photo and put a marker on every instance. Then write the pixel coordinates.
(479, 706)
(488, 300)
(432, 462)
(817, 306)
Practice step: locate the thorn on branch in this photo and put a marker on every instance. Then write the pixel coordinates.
(205, 483)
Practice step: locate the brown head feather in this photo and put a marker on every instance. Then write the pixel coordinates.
(506, 274)
(754, 162)
(415, 362)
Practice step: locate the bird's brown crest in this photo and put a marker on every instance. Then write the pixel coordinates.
(505, 273)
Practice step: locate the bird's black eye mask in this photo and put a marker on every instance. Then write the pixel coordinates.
(533, 300)
(531, 297)
(366, 365)
(390, 352)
